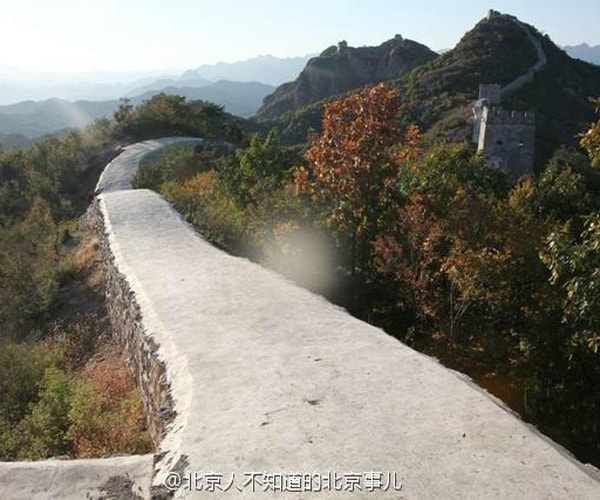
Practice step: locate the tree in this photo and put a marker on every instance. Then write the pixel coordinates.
(568, 188)
(591, 139)
(354, 164)
(440, 226)
(28, 270)
(572, 253)
(409, 253)
(261, 167)
(575, 265)
(123, 116)
(166, 114)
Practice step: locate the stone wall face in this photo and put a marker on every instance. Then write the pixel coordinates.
(508, 140)
(139, 349)
(491, 92)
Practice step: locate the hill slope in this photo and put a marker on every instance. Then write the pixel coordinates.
(497, 50)
(238, 98)
(340, 69)
(35, 118)
(267, 69)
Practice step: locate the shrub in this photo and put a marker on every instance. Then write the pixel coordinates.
(106, 413)
(22, 370)
(42, 433)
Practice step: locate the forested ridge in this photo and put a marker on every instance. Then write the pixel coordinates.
(438, 94)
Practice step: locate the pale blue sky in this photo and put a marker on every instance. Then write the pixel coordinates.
(79, 35)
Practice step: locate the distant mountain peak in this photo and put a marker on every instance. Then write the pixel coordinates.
(340, 68)
(263, 68)
(585, 52)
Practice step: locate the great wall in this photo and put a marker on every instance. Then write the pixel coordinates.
(255, 387)
(507, 138)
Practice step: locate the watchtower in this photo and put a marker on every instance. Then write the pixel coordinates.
(506, 138)
(489, 95)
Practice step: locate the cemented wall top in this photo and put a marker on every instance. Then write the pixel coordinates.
(120, 172)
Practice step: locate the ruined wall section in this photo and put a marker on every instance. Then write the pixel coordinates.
(542, 60)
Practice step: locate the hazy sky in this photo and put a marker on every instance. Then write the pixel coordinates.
(80, 35)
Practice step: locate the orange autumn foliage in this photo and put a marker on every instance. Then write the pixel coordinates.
(355, 162)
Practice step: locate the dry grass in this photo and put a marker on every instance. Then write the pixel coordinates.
(89, 258)
(82, 324)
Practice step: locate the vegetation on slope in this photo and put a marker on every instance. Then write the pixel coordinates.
(560, 96)
(64, 388)
(494, 51)
(67, 391)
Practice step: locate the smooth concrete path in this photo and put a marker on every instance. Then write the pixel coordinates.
(120, 172)
(272, 383)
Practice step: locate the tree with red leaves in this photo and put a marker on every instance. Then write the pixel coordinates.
(354, 165)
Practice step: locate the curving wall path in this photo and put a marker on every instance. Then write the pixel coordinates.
(253, 383)
(542, 60)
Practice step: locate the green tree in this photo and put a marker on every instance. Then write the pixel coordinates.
(568, 188)
(261, 168)
(43, 432)
(22, 369)
(575, 265)
(28, 270)
(171, 115)
(591, 139)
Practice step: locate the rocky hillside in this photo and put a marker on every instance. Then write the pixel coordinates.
(341, 68)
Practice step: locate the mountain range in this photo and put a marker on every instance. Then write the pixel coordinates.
(439, 90)
(584, 52)
(266, 69)
(30, 119)
(19, 85)
(34, 103)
